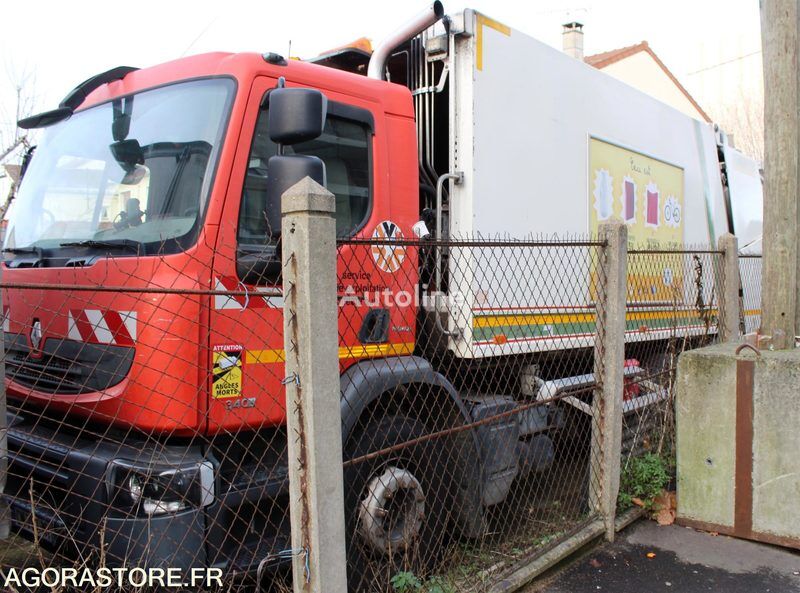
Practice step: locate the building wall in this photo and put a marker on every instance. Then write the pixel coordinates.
(642, 72)
(5, 186)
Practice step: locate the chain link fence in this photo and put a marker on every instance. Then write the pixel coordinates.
(484, 457)
(146, 416)
(674, 304)
(750, 272)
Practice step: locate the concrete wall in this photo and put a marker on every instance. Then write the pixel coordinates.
(706, 409)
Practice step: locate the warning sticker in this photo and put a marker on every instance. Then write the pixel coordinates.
(228, 367)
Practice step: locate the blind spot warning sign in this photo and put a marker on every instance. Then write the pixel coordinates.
(228, 365)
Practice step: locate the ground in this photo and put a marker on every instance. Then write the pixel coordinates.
(647, 558)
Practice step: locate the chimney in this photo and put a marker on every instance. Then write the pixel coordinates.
(572, 40)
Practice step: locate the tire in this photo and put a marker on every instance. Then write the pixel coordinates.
(409, 485)
(573, 439)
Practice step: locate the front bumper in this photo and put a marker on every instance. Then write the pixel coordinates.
(57, 482)
(57, 494)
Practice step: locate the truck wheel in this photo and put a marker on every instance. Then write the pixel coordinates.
(395, 504)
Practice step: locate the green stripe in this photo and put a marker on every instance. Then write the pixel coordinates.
(537, 330)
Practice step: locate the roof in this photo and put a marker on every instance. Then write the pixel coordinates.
(607, 58)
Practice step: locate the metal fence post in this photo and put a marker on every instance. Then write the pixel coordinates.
(609, 360)
(730, 314)
(314, 426)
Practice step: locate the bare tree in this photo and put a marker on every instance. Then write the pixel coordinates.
(13, 140)
(23, 90)
(744, 118)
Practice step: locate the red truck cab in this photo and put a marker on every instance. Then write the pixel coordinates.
(143, 312)
(152, 337)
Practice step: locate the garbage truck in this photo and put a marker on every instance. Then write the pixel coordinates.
(142, 304)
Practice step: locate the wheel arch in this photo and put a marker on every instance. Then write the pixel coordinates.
(411, 384)
(369, 381)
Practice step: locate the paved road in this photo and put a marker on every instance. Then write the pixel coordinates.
(685, 561)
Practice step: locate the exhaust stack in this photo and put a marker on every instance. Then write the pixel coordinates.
(413, 27)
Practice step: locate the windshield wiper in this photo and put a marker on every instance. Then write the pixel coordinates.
(134, 246)
(24, 262)
(21, 250)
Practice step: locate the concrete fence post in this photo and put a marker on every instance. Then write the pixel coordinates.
(609, 361)
(314, 426)
(730, 308)
(5, 525)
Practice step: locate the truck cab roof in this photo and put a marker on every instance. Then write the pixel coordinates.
(244, 67)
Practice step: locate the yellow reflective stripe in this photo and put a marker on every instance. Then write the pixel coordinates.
(376, 350)
(265, 356)
(532, 319)
(549, 318)
(345, 352)
(491, 23)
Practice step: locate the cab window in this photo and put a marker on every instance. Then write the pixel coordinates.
(344, 147)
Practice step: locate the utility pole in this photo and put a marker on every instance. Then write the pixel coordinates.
(780, 305)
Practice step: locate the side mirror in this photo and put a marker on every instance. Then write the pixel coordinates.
(296, 115)
(284, 172)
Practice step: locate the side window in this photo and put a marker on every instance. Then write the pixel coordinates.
(344, 147)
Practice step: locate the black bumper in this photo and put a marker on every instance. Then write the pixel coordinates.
(57, 477)
(57, 489)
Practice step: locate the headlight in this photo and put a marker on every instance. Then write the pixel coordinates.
(160, 489)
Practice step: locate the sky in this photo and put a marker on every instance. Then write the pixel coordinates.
(712, 46)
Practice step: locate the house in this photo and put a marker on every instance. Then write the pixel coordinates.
(9, 175)
(640, 67)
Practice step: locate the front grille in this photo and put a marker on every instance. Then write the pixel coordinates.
(66, 366)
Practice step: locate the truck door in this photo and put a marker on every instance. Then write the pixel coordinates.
(246, 327)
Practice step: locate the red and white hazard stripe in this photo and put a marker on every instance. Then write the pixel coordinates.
(243, 301)
(102, 327)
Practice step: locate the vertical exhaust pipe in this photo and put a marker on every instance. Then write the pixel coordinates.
(415, 26)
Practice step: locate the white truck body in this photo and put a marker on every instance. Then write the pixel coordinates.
(550, 146)
(746, 197)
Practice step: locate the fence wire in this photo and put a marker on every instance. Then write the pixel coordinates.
(486, 462)
(674, 304)
(146, 406)
(750, 274)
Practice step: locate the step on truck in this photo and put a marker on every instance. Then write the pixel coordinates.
(143, 311)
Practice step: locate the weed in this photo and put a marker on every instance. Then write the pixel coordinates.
(643, 478)
(406, 582)
(438, 585)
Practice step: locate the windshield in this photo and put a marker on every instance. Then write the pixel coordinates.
(135, 170)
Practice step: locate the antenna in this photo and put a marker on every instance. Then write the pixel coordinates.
(289, 53)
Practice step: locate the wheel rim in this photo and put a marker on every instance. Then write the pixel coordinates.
(392, 512)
